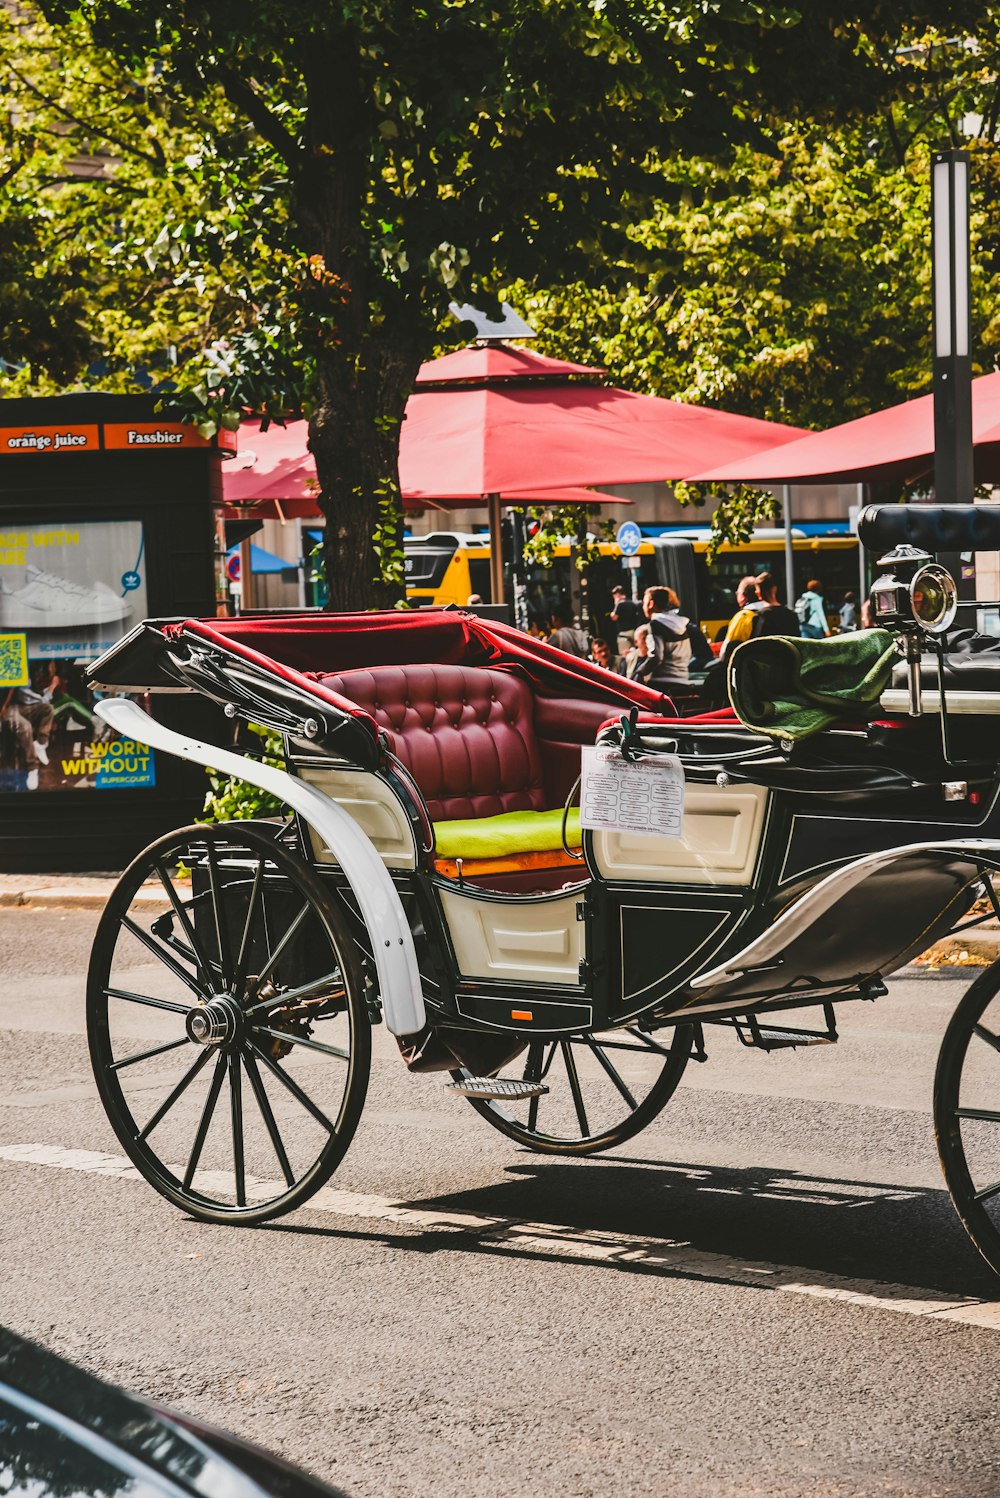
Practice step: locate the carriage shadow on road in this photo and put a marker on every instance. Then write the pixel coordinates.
(647, 1217)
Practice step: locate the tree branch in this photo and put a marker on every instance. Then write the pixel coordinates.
(153, 158)
(264, 121)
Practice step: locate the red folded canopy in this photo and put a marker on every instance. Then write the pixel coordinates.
(897, 443)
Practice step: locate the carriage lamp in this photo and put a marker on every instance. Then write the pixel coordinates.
(914, 596)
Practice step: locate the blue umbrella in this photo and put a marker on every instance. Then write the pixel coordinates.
(263, 561)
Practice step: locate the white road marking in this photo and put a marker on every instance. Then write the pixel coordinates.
(509, 1234)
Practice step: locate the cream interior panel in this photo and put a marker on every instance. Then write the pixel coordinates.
(541, 940)
(722, 829)
(373, 806)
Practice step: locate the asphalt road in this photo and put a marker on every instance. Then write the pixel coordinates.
(750, 1298)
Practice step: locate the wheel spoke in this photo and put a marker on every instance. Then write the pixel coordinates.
(984, 1114)
(574, 1087)
(218, 912)
(533, 1073)
(205, 1122)
(187, 924)
(987, 1192)
(305, 991)
(612, 1073)
(647, 1040)
(279, 950)
(312, 1045)
(294, 1089)
(159, 950)
(157, 1050)
(171, 1099)
(239, 975)
(236, 1112)
(987, 1035)
(145, 998)
(257, 1084)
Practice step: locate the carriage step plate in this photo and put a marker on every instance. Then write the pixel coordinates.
(497, 1089)
(777, 1040)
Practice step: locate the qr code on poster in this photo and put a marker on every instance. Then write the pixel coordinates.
(13, 661)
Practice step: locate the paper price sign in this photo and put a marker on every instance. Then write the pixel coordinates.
(619, 795)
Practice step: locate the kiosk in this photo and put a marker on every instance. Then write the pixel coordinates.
(106, 518)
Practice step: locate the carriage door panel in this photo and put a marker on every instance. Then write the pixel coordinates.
(530, 941)
(721, 837)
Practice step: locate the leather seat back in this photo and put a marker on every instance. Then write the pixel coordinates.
(466, 734)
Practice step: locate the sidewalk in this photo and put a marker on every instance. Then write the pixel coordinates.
(69, 891)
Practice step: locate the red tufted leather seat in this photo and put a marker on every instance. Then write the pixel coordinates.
(466, 734)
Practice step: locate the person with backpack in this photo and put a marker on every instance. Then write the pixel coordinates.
(675, 641)
(773, 617)
(811, 612)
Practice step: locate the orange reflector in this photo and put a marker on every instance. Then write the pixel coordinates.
(521, 1014)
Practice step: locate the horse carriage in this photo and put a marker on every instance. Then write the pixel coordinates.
(426, 869)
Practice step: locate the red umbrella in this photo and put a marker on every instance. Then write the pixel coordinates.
(273, 474)
(497, 420)
(897, 443)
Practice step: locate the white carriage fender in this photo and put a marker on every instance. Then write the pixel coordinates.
(800, 915)
(392, 943)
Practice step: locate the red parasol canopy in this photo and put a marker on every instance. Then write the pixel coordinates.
(497, 420)
(897, 443)
(274, 474)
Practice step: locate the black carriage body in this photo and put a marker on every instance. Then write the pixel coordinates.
(627, 935)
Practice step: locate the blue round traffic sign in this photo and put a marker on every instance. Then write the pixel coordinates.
(629, 538)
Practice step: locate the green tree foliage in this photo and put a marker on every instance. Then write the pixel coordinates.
(118, 224)
(411, 152)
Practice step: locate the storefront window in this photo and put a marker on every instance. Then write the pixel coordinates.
(67, 593)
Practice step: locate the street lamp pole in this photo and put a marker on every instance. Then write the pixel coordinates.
(953, 465)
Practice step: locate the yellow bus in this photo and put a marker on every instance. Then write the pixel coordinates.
(449, 567)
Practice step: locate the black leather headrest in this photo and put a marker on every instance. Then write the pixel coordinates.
(932, 528)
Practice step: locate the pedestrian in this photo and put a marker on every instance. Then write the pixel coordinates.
(474, 601)
(849, 612)
(675, 642)
(811, 612)
(638, 663)
(773, 617)
(600, 654)
(741, 624)
(566, 635)
(625, 615)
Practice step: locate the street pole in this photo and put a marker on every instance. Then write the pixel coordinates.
(954, 481)
(494, 517)
(786, 507)
(246, 576)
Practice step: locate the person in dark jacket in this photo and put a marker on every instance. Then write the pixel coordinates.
(773, 617)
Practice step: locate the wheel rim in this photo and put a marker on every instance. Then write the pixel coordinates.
(601, 1089)
(967, 1113)
(225, 1027)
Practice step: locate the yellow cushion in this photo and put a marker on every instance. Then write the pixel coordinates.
(512, 832)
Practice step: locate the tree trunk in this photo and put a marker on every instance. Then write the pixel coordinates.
(367, 341)
(354, 438)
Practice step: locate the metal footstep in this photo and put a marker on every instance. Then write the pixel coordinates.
(497, 1089)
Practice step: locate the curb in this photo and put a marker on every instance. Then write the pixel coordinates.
(54, 898)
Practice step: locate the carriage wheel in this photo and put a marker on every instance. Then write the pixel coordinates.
(967, 1112)
(602, 1089)
(227, 1026)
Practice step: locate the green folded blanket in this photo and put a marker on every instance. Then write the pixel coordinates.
(511, 832)
(792, 688)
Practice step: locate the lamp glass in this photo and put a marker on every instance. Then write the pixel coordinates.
(941, 232)
(960, 256)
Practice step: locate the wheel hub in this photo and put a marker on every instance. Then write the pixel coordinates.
(216, 1023)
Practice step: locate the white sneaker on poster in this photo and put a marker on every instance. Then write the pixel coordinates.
(50, 602)
(31, 783)
(41, 753)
